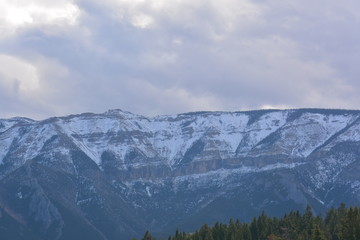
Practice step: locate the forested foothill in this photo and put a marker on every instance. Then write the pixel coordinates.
(342, 223)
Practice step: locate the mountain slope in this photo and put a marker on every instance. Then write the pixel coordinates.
(117, 174)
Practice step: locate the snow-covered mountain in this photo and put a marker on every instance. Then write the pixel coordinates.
(117, 174)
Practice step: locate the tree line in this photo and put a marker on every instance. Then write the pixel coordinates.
(340, 223)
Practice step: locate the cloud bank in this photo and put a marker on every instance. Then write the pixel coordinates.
(162, 57)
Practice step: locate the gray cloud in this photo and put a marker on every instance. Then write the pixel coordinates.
(162, 57)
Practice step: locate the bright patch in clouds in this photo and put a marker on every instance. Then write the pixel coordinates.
(23, 13)
(142, 14)
(18, 75)
(142, 20)
(275, 107)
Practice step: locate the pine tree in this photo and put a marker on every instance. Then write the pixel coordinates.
(246, 233)
(205, 233)
(262, 225)
(350, 227)
(308, 221)
(218, 231)
(254, 229)
(148, 236)
(317, 233)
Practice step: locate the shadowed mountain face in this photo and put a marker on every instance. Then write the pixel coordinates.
(115, 175)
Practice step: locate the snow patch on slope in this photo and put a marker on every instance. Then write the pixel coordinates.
(302, 136)
(329, 169)
(259, 130)
(6, 140)
(218, 176)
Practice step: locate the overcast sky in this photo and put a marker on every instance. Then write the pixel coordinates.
(156, 57)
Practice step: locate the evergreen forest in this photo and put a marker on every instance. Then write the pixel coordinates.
(342, 223)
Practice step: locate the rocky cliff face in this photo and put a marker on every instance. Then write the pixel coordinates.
(111, 175)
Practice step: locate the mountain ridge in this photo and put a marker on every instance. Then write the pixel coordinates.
(178, 170)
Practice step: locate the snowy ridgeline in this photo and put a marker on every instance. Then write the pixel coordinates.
(168, 139)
